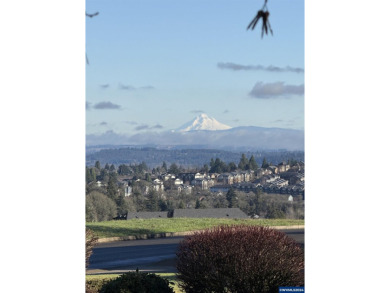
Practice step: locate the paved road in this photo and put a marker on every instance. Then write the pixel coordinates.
(152, 255)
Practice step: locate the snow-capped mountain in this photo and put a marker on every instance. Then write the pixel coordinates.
(207, 132)
(203, 122)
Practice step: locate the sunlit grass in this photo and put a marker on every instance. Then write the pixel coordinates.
(138, 227)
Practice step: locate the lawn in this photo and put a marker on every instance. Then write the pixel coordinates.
(138, 227)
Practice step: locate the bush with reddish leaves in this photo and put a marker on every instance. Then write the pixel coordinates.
(239, 259)
(90, 241)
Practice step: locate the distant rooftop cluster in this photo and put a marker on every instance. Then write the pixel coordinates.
(282, 179)
(229, 213)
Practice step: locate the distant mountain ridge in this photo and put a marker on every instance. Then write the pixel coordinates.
(209, 133)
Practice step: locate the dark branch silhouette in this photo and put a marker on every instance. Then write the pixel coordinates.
(264, 14)
(91, 15)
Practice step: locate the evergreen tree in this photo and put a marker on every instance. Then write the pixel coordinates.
(107, 167)
(97, 165)
(244, 163)
(143, 167)
(89, 175)
(121, 205)
(152, 201)
(104, 176)
(165, 167)
(218, 166)
(231, 197)
(93, 174)
(253, 164)
(205, 168)
(174, 169)
(124, 170)
(257, 203)
(232, 167)
(197, 204)
(265, 164)
(212, 163)
(112, 168)
(112, 188)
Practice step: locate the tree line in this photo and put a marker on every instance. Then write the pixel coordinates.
(184, 157)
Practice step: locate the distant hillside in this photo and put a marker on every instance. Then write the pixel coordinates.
(185, 157)
(250, 137)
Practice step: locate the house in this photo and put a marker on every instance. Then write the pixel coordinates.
(220, 188)
(158, 185)
(202, 183)
(237, 177)
(283, 167)
(268, 179)
(186, 176)
(229, 213)
(214, 176)
(167, 176)
(187, 189)
(200, 175)
(247, 175)
(146, 215)
(280, 182)
(262, 171)
(157, 181)
(225, 178)
(245, 186)
(297, 178)
(273, 169)
(178, 181)
(128, 190)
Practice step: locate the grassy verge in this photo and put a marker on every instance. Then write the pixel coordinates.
(137, 227)
(170, 276)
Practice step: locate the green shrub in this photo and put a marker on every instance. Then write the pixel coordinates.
(94, 286)
(135, 282)
(239, 259)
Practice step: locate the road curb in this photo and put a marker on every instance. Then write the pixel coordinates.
(175, 234)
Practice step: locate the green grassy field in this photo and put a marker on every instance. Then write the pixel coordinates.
(170, 276)
(137, 227)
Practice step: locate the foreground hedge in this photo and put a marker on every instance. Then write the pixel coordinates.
(135, 282)
(131, 282)
(239, 259)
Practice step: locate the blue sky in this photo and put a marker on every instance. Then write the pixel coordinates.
(154, 65)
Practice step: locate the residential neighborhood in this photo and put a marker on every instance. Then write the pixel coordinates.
(280, 179)
(269, 191)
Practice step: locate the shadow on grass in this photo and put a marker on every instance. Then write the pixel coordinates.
(104, 231)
